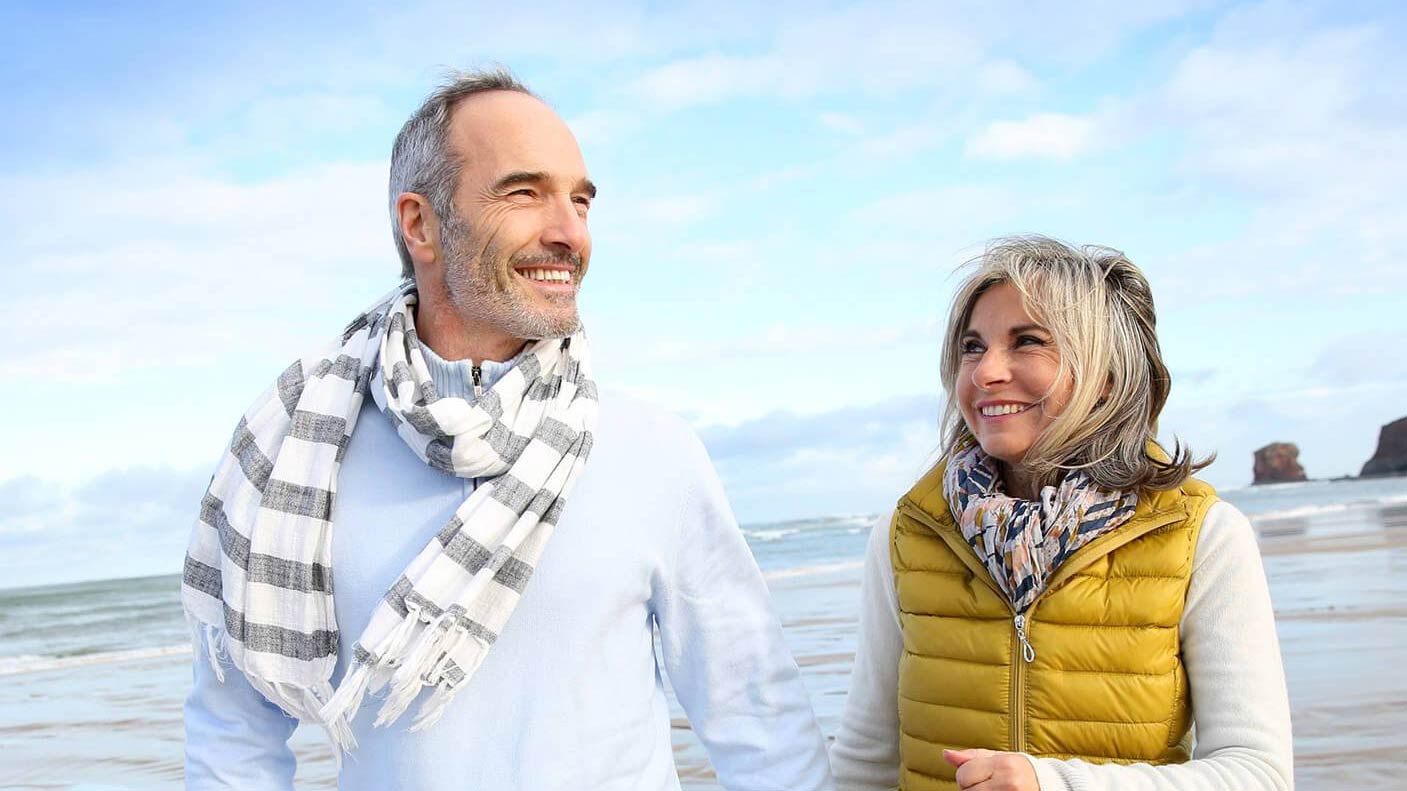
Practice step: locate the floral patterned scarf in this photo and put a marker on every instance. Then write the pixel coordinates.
(1023, 542)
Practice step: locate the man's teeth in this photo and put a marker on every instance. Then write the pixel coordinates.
(548, 275)
(1004, 409)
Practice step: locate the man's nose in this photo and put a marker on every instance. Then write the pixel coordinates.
(566, 228)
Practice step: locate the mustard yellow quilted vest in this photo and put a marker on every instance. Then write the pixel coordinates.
(1093, 670)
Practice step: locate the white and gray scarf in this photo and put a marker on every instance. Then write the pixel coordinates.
(258, 573)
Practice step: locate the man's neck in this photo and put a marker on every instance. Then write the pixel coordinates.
(449, 335)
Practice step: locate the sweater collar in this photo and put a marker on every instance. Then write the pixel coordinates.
(454, 378)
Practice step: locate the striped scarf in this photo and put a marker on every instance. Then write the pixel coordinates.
(258, 574)
(1023, 542)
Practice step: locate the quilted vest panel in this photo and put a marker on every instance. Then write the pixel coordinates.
(1106, 682)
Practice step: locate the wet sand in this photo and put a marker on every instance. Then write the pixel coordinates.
(1339, 581)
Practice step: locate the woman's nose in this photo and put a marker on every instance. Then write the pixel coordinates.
(993, 369)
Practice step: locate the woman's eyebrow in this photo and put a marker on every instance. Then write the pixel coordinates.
(1027, 328)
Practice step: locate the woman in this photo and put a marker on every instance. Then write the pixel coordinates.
(1047, 604)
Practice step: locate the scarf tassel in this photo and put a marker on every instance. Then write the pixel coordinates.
(425, 665)
(366, 676)
(215, 648)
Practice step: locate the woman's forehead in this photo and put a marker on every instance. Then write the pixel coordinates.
(1000, 309)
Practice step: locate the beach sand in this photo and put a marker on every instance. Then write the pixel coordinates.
(1338, 579)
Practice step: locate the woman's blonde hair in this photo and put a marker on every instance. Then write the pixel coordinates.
(1098, 307)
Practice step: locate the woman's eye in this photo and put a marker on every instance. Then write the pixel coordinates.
(971, 347)
(1027, 340)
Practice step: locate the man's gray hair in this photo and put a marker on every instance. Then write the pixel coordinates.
(421, 159)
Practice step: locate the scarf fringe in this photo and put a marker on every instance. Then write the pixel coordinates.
(413, 671)
(364, 677)
(434, 708)
(216, 648)
(407, 663)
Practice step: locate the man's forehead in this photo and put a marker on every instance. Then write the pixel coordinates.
(511, 130)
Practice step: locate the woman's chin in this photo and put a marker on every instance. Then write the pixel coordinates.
(1004, 452)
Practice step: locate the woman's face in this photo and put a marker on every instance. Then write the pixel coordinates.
(1006, 386)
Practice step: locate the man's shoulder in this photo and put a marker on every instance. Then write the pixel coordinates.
(630, 421)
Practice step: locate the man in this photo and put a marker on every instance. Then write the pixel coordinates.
(427, 585)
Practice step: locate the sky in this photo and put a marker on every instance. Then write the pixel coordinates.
(192, 197)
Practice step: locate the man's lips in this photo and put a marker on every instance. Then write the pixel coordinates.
(548, 275)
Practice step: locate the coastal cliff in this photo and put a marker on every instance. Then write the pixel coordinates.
(1278, 462)
(1391, 456)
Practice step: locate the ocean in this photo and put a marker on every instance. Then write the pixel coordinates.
(92, 675)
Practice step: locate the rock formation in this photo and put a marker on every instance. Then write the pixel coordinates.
(1278, 462)
(1391, 456)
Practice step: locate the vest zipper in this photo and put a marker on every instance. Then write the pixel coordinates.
(1027, 652)
(1022, 655)
(478, 377)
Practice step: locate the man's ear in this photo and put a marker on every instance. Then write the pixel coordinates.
(420, 229)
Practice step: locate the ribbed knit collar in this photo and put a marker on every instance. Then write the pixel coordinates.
(454, 378)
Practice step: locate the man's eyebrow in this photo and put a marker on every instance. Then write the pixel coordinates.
(519, 177)
(537, 177)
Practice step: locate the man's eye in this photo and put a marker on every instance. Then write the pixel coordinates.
(524, 192)
(583, 202)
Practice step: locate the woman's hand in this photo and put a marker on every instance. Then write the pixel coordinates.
(987, 770)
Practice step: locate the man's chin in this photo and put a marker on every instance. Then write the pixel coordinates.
(550, 327)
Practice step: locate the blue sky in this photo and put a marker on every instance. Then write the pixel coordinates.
(191, 197)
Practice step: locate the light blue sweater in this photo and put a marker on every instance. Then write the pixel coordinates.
(570, 697)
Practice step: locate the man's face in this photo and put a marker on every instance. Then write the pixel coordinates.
(517, 249)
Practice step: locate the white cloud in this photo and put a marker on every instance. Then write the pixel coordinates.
(1041, 136)
(842, 122)
(1359, 359)
(712, 78)
(149, 268)
(1005, 77)
(1297, 116)
(673, 210)
(123, 523)
(603, 127)
(1335, 427)
(883, 49)
(846, 460)
(780, 339)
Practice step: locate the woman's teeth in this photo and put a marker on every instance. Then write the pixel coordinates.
(548, 275)
(1003, 409)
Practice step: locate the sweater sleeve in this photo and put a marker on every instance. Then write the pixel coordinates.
(1236, 678)
(865, 754)
(723, 649)
(235, 738)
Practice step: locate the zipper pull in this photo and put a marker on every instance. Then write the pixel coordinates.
(478, 377)
(1027, 652)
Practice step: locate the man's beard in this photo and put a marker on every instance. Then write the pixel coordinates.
(480, 286)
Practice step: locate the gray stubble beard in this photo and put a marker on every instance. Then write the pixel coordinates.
(480, 286)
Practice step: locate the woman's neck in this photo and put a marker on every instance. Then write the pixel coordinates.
(1020, 482)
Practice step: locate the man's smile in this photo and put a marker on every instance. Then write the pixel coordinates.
(549, 278)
